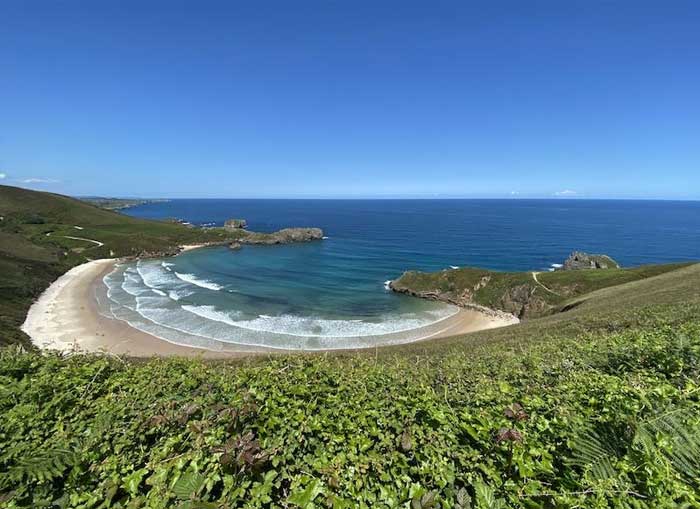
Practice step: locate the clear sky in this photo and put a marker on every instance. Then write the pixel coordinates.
(351, 98)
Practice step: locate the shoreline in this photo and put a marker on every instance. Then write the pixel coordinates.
(66, 317)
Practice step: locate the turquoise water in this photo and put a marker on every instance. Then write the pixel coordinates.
(289, 297)
(331, 293)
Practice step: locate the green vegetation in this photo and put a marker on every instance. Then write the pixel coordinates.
(525, 294)
(42, 235)
(36, 248)
(598, 406)
(572, 410)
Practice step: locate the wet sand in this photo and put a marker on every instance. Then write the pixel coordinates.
(67, 317)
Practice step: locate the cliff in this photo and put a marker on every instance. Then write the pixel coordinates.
(523, 294)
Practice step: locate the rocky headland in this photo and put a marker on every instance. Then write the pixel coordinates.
(284, 236)
(522, 294)
(235, 237)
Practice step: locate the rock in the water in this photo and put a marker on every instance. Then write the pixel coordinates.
(578, 261)
(284, 236)
(235, 224)
(234, 246)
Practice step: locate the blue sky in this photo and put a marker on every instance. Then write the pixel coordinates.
(324, 99)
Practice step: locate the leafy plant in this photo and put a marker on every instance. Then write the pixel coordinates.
(586, 420)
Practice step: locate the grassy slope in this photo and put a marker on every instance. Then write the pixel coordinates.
(30, 260)
(555, 291)
(675, 293)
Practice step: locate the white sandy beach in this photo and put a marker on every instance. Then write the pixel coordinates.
(66, 318)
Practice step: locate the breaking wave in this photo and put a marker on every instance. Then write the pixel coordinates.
(202, 283)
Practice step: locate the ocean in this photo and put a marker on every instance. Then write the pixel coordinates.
(332, 294)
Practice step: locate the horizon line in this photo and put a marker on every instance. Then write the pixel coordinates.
(386, 197)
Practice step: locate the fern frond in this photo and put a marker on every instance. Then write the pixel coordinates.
(684, 450)
(595, 452)
(44, 466)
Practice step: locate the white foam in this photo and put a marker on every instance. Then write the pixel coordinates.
(557, 265)
(311, 326)
(202, 283)
(387, 284)
(152, 275)
(133, 284)
(324, 238)
(211, 313)
(454, 267)
(147, 296)
(178, 294)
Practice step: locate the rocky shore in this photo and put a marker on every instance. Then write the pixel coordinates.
(515, 303)
(463, 299)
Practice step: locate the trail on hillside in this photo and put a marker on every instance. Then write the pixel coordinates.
(96, 242)
(534, 276)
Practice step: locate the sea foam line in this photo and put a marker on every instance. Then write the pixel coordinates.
(202, 283)
(316, 327)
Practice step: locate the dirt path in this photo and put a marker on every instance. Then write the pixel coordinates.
(534, 276)
(96, 242)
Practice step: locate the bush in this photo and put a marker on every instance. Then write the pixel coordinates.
(555, 425)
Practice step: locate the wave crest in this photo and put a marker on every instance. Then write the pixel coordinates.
(202, 283)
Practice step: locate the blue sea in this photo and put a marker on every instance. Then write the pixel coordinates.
(332, 294)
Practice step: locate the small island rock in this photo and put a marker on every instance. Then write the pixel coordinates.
(579, 261)
(235, 224)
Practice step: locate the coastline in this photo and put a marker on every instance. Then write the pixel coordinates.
(67, 318)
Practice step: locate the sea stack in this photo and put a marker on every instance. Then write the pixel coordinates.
(580, 261)
(235, 224)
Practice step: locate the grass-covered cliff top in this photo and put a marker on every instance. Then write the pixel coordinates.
(525, 294)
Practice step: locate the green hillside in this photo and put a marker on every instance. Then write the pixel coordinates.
(36, 248)
(525, 294)
(595, 406)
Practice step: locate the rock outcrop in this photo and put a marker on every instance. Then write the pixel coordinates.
(523, 302)
(284, 236)
(462, 299)
(235, 224)
(580, 261)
